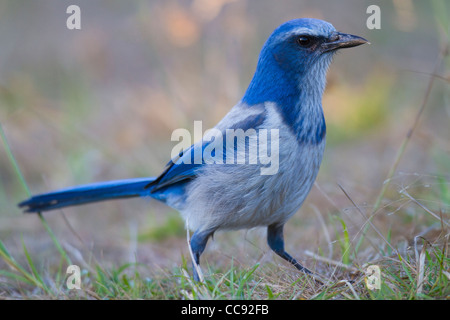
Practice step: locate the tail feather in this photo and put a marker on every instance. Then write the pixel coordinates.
(87, 193)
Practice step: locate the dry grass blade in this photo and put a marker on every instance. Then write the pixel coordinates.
(325, 231)
(404, 192)
(198, 288)
(369, 221)
(447, 274)
(195, 265)
(444, 52)
(421, 269)
(330, 261)
(352, 289)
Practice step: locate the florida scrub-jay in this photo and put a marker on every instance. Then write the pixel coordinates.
(285, 94)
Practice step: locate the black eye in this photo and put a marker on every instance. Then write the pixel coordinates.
(304, 41)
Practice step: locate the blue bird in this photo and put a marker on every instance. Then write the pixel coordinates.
(283, 98)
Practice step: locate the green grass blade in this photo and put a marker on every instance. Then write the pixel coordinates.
(15, 277)
(25, 186)
(9, 260)
(33, 269)
(13, 161)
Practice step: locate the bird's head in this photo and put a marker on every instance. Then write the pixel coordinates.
(297, 52)
(291, 73)
(299, 44)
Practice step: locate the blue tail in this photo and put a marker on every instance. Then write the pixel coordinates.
(87, 193)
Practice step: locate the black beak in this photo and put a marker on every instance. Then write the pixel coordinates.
(342, 40)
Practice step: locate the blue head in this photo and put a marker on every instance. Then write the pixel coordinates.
(291, 72)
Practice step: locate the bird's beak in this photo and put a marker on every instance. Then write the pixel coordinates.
(342, 40)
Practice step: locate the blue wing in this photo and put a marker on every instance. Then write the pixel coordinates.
(184, 167)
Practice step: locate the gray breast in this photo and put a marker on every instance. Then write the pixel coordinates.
(239, 196)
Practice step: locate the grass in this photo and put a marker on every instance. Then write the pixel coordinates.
(403, 231)
(422, 272)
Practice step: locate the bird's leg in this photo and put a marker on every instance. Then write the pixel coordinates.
(198, 244)
(276, 243)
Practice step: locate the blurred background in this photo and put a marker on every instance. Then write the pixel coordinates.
(100, 103)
